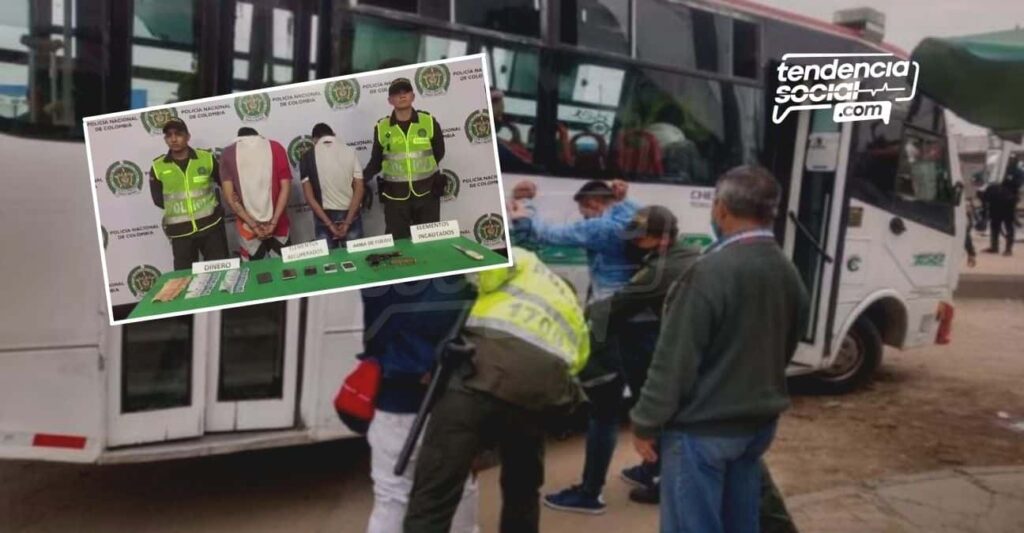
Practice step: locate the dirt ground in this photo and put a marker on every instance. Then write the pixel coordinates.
(929, 409)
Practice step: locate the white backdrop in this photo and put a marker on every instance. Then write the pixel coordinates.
(123, 145)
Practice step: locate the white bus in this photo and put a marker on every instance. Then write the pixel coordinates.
(665, 94)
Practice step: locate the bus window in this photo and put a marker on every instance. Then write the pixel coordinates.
(875, 158)
(652, 125)
(265, 44)
(600, 24)
(748, 123)
(744, 49)
(521, 17)
(377, 44)
(925, 114)
(923, 188)
(252, 353)
(164, 53)
(589, 95)
(40, 44)
(700, 39)
(156, 364)
(439, 9)
(514, 72)
(662, 20)
(904, 168)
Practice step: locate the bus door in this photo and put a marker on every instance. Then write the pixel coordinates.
(813, 219)
(156, 380)
(180, 377)
(252, 367)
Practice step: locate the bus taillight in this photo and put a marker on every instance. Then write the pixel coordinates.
(945, 316)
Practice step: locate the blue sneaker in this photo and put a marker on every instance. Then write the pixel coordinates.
(575, 500)
(639, 476)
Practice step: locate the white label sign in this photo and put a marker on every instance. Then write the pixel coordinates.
(370, 243)
(305, 250)
(822, 152)
(435, 231)
(202, 267)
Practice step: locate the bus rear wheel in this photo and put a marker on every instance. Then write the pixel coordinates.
(860, 354)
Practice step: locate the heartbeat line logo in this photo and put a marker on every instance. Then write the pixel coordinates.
(811, 81)
(885, 88)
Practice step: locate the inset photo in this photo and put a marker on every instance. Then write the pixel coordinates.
(302, 189)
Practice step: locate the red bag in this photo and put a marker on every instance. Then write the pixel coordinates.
(357, 397)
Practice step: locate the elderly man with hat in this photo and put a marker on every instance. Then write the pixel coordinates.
(407, 146)
(183, 183)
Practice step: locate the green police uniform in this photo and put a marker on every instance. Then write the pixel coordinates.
(406, 154)
(531, 339)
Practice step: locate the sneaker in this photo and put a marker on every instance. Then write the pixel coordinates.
(990, 250)
(639, 476)
(650, 495)
(575, 500)
(1008, 253)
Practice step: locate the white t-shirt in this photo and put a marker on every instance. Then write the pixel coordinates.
(336, 167)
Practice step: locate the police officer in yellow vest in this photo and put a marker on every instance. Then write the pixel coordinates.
(531, 340)
(183, 183)
(407, 146)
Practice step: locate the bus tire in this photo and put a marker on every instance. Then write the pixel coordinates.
(860, 354)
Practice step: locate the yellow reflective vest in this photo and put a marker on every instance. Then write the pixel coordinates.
(408, 156)
(531, 303)
(189, 196)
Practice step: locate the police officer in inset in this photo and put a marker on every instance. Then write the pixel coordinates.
(183, 183)
(407, 146)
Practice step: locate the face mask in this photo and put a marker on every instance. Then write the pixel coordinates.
(716, 229)
(634, 253)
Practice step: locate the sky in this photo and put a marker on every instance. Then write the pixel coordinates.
(907, 22)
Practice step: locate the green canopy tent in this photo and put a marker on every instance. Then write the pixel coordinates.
(979, 77)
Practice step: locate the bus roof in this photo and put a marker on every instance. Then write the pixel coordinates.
(782, 15)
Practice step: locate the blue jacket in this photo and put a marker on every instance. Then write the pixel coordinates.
(404, 326)
(601, 237)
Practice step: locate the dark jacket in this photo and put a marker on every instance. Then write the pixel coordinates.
(731, 326)
(643, 296)
(404, 327)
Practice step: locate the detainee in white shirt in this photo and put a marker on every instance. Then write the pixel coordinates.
(332, 181)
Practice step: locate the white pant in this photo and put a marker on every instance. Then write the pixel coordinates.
(386, 436)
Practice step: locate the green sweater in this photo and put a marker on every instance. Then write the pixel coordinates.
(731, 325)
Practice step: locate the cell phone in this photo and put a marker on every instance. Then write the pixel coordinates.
(330, 268)
(310, 270)
(348, 266)
(264, 277)
(288, 273)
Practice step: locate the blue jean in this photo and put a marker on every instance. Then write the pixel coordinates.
(632, 344)
(355, 231)
(712, 484)
(602, 433)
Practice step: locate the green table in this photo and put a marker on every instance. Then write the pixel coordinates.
(436, 257)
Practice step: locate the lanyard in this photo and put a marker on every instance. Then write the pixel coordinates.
(745, 236)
